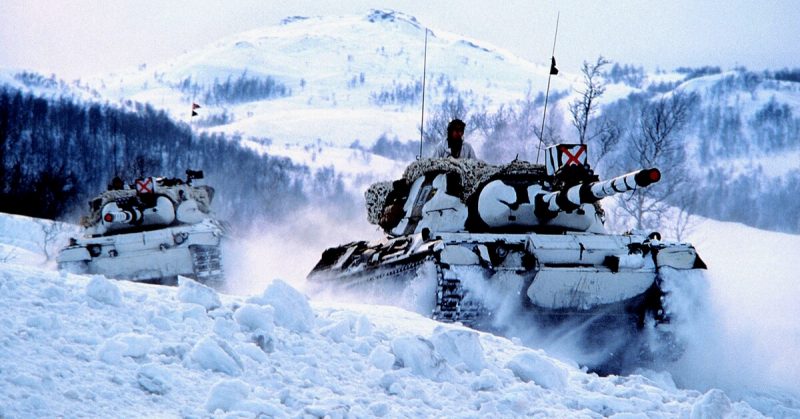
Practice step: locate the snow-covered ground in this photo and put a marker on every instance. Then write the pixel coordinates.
(88, 346)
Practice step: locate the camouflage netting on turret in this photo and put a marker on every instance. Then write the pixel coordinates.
(472, 173)
(178, 193)
(375, 197)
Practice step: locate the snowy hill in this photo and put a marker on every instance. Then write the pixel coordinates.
(91, 346)
(334, 67)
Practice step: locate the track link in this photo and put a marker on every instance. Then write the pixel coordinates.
(207, 263)
(452, 300)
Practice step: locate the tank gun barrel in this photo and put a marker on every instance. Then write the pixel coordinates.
(549, 204)
(126, 217)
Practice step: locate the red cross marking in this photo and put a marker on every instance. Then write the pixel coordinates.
(570, 158)
(144, 186)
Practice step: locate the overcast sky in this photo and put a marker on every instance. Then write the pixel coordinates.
(75, 38)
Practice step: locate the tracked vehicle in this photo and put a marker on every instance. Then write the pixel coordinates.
(530, 235)
(151, 231)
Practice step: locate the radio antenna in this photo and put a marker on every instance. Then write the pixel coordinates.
(553, 72)
(424, 71)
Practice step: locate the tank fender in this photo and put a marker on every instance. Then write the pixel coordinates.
(458, 255)
(634, 260)
(586, 249)
(74, 254)
(582, 288)
(678, 256)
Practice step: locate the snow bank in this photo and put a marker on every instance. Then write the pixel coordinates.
(214, 354)
(65, 351)
(104, 291)
(191, 291)
(154, 379)
(291, 308)
(462, 348)
(534, 367)
(418, 354)
(74, 345)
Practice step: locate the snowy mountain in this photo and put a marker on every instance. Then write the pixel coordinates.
(334, 70)
(76, 346)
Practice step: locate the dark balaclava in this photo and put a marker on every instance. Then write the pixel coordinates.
(455, 143)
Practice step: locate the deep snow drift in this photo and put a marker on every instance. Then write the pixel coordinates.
(90, 346)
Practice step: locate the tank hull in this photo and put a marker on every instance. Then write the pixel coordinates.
(600, 282)
(156, 256)
(575, 272)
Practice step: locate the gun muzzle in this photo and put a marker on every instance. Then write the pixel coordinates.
(647, 177)
(119, 217)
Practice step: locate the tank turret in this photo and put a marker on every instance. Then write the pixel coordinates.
(152, 230)
(149, 203)
(124, 214)
(446, 195)
(530, 232)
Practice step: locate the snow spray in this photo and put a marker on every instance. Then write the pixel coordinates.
(287, 249)
(729, 345)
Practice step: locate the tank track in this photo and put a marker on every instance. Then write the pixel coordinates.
(207, 263)
(452, 301)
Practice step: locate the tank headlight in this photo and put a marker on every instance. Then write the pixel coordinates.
(180, 238)
(94, 250)
(501, 252)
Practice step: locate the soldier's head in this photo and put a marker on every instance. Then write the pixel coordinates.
(117, 183)
(455, 129)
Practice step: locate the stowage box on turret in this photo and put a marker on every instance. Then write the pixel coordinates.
(154, 231)
(533, 231)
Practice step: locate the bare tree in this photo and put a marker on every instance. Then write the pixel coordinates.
(496, 130)
(684, 222)
(51, 231)
(514, 132)
(8, 256)
(551, 134)
(604, 133)
(527, 126)
(605, 137)
(659, 143)
(140, 166)
(585, 106)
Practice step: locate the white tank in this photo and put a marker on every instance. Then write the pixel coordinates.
(533, 234)
(153, 231)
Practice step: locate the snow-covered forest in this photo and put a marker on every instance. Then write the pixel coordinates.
(59, 153)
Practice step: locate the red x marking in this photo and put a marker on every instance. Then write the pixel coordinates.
(573, 159)
(144, 186)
